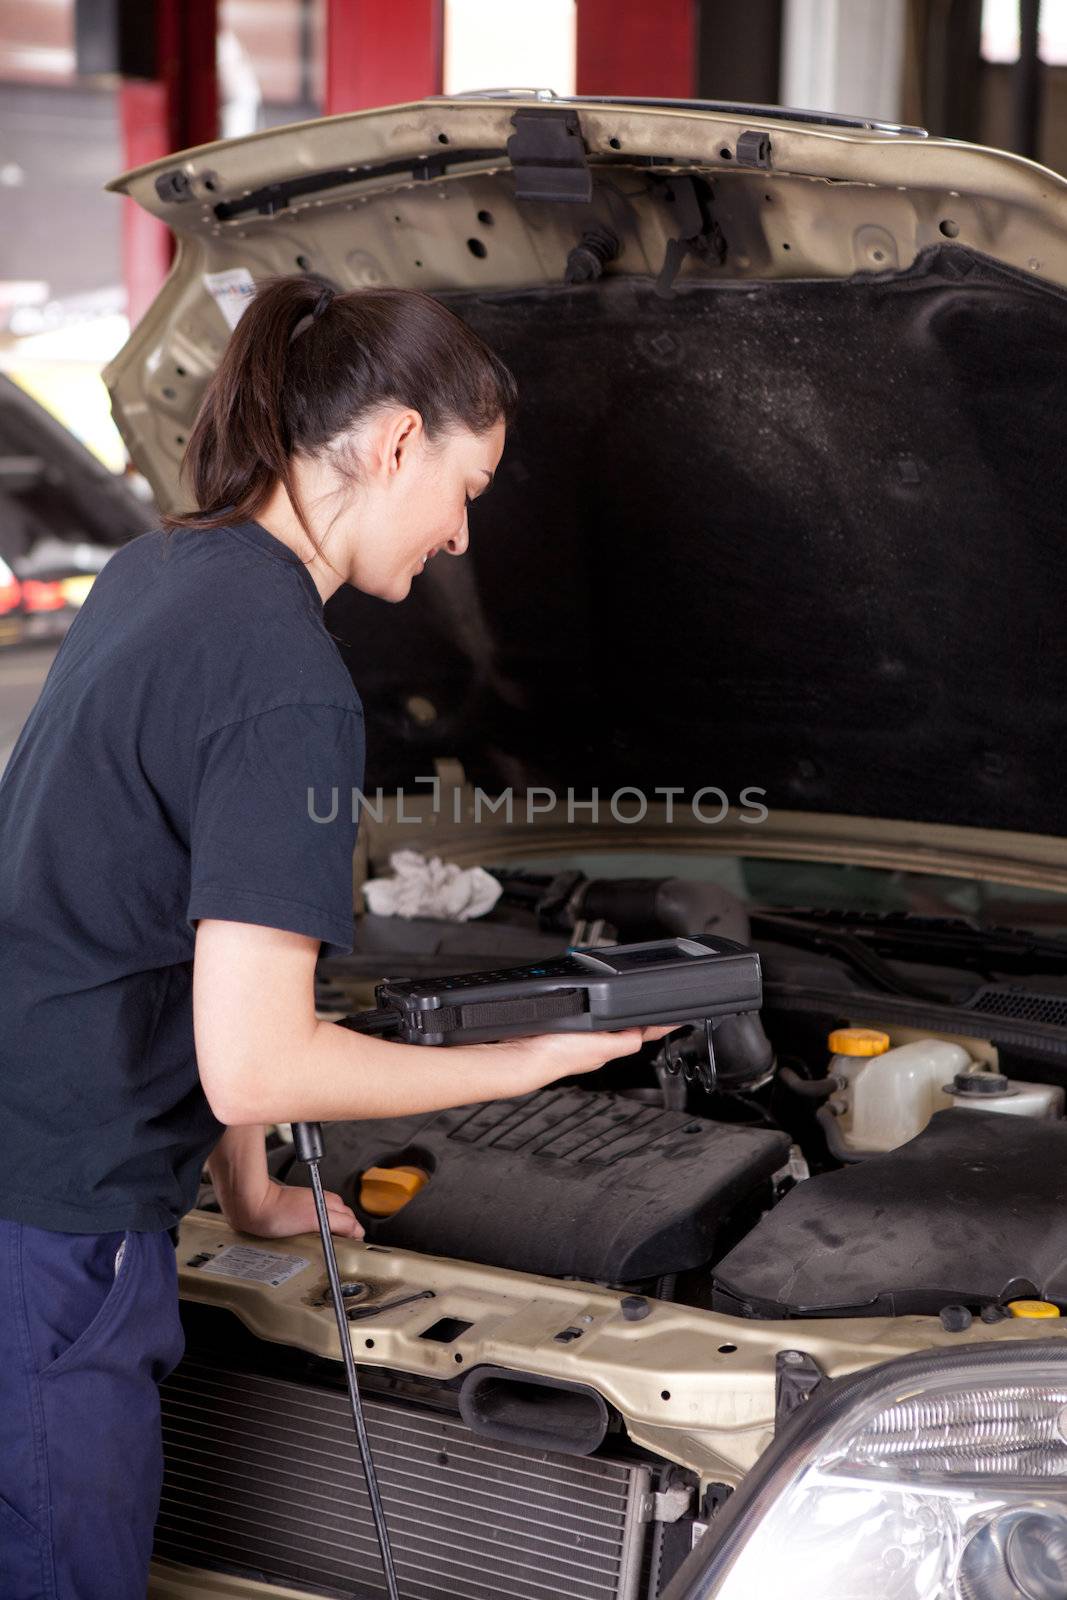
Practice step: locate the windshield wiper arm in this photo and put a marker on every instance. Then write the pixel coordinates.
(845, 946)
(944, 939)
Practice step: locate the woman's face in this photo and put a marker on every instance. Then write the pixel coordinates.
(409, 502)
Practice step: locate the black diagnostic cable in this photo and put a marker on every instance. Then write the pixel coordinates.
(307, 1138)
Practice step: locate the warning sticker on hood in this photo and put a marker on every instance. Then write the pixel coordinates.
(232, 291)
(261, 1266)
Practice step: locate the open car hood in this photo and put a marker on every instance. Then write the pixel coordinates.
(784, 504)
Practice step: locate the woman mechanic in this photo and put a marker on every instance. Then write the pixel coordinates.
(163, 884)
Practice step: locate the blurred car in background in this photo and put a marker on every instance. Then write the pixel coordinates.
(10, 604)
(62, 513)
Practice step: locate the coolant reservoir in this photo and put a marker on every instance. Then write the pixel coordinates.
(888, 1098)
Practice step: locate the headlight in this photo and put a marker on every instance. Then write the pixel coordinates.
(931, 1478)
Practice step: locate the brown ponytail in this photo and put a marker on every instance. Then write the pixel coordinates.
(305, 364)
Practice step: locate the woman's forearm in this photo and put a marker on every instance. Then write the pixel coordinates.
(238, 1163)
(263, 1055)
(335, 1075)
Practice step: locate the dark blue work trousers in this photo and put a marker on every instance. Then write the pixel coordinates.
(89, 1327)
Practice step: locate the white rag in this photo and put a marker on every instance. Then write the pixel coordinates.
(433, 888)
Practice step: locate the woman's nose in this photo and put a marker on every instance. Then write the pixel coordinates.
(459, 541)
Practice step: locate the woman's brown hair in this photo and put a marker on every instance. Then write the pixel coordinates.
(305, 364)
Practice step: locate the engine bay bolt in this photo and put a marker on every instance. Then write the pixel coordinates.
(634, 1307)
(955, 1319)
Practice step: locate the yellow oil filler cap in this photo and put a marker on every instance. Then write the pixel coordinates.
(383, 1191)
(1033, 1308)
(858, 1042)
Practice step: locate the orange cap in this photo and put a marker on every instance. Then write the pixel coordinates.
(858, 1042)
(383, 1191)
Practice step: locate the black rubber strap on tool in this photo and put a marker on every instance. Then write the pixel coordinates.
(493, 1013)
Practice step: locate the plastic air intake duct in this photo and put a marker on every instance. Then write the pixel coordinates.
(534, 1412)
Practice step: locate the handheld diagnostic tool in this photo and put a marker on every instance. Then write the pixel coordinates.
(687, 981)
(621, 986)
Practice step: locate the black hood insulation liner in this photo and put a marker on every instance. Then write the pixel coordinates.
(801, 535)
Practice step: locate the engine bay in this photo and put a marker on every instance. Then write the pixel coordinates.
(886, 1137)
(616, 1291)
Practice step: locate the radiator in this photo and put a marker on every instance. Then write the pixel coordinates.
(263, 1478)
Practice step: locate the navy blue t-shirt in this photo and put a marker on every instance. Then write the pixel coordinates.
(162, 776)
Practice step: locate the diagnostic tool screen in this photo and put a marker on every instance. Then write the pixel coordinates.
(656, 956)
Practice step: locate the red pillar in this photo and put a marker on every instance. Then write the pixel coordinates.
(177, 108)
(146, 242)
(637, 47)
(186, 40)
(382, 52)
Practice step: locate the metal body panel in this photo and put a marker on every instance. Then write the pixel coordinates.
(694, 1387)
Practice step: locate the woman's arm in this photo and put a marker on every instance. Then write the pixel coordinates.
(265, 1057)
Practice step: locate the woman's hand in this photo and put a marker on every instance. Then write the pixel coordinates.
(254, 1202)
(543, 1058)
(278, 1212)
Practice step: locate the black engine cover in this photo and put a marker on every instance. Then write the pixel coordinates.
(565, 1182)
(970, 1212)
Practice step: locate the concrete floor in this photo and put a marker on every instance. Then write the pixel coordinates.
(22, 672)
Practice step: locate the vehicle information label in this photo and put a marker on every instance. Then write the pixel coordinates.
(261, 1266)
(232, 291)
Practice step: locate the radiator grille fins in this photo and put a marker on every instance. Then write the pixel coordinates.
(263, 1476)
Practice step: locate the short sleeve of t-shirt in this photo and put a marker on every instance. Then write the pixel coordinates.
(272, 822)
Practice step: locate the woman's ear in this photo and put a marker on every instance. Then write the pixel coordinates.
(404, 433)
(384, 442)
